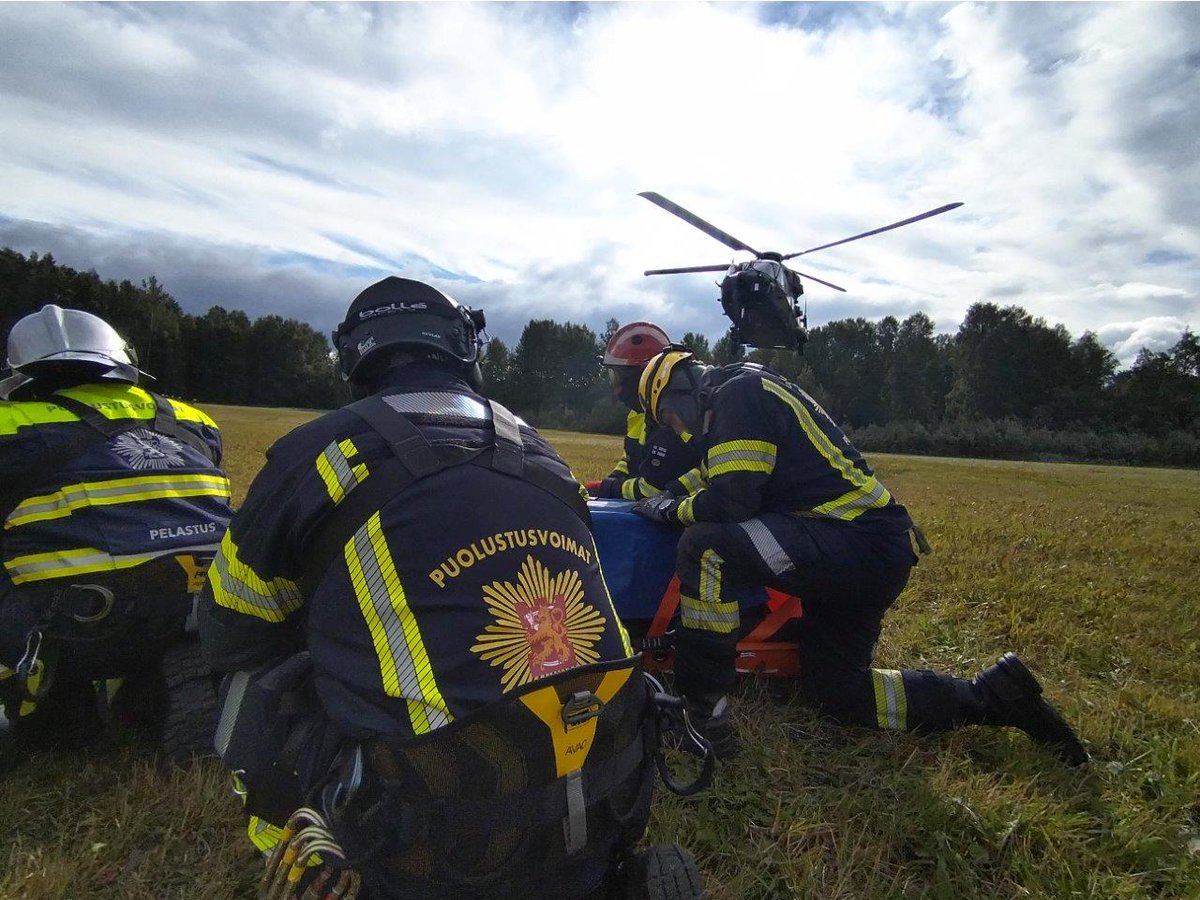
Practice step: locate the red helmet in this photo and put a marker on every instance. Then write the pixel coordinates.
(635, 344)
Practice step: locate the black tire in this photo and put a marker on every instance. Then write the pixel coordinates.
(190, 720)
(664, 872)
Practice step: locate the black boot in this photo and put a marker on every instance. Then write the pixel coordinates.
(1011, 695)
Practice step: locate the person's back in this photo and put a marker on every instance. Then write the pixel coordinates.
(416, 575)
(113, 503)
(462, 586)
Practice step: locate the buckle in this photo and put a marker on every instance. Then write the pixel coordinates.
(582, 707)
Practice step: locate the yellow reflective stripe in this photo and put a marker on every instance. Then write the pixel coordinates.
(622, 467)
(118, 490)
(646, 489)
(739, 465)
(684, 513)
(238, 587)
(891, 703)
(691, 481)
(111, 401)
(819, 439)
(741, 456)
(853, 504)
(334, 467)
(81, 561)
(263, 834)
(403, 660)
(635, 426)
(637, 488)
(721, 618)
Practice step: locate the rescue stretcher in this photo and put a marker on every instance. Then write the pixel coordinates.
(638, 560)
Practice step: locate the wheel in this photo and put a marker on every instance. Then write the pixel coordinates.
(663, 872)
(190, 720)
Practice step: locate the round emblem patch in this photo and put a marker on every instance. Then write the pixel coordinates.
(542, 625)
(145, 449)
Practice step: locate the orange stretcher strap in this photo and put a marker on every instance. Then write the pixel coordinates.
(788, 609)
(666, 610)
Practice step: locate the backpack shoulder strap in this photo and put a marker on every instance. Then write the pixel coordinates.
(166, 422)
(414, 459)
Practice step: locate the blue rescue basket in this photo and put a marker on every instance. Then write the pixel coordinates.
(637, 557)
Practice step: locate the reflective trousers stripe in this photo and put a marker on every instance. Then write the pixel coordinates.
(891, 703)
(708, 612)
(403, 660)
(767, 546)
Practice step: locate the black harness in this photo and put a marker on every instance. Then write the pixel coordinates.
(414, 458)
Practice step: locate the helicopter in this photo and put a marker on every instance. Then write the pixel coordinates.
(762, 297)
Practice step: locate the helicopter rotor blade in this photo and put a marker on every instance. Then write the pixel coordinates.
(695, 221)
(721, 268)
(820, 281)
(908, 221)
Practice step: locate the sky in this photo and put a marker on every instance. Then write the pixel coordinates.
(278, 158)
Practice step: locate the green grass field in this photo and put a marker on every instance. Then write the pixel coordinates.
(1089, 572)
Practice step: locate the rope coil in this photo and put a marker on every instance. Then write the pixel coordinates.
(305, 844)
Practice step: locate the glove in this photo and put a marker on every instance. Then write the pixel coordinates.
(609, 488)
(660, 509)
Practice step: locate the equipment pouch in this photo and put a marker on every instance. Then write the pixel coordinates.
(275, 736)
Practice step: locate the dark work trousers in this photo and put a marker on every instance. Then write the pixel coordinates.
(846, 578)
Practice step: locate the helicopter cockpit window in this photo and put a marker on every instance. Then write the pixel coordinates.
(773, 270)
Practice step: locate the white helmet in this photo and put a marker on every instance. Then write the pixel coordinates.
(56, 339)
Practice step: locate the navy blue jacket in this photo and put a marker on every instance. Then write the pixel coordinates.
(461, 587)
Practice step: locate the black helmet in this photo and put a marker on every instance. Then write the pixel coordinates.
(399, 313)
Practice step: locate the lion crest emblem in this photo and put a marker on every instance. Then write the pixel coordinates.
(542, 626)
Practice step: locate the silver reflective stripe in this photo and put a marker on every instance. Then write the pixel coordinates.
(231, 584)
(869, 500)
(767, 546)
(340, 465)
(437, 403)
(710, 576)
(229, 712)
(700, 613)
(70, 560)
(575, 824)
(409, 684)
(78, 493)
(506, 426)
(741, 456)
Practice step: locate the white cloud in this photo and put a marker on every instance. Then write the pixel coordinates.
(1156, 333)
(506, 142)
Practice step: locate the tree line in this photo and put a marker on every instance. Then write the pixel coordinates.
(1006, 384)
(219, 357)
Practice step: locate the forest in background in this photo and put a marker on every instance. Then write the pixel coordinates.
(1005, 385)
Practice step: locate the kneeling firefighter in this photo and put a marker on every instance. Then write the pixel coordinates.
(655, 458)
(789, 503)
(113, 502)
(427, 675)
